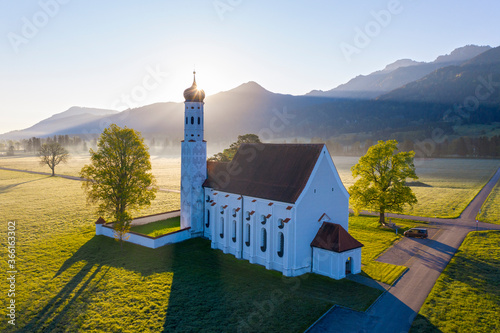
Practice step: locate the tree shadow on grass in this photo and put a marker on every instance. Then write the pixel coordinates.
(209, 290)
(43, 321)
(422, 325)
(7, 188)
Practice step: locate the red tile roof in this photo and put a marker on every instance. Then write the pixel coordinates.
(333, 237)
(276, 172)
(100, 220)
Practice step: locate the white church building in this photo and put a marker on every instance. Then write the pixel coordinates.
(282, 206)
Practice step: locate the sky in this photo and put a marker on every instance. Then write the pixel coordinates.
(113, 54)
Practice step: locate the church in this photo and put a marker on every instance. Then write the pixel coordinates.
(282, 206)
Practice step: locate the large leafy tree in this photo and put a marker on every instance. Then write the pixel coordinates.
(228, 153)
(52, 154)
(382, 173)
(119, 178)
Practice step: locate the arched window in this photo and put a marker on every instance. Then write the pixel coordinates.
(192, 107)
(221, 209)
(208, 198)
(234, 232)
(247, 216)
(199, 120)
(281, 244)
(234, 212)
(192, 120)
(263, 240)
(280, 224)
(186, 120)
(221, 227)
(208, 218)
(247, 235)
(263, 219)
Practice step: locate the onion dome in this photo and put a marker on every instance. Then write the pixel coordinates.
(193, 94)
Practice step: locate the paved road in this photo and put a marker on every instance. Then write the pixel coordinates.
(395, 310)
(72, 177)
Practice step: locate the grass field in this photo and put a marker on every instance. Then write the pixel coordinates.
(490, 212)
(159, 228)
(466, 297)
(71, 280)
(376, 240)
(445, 188)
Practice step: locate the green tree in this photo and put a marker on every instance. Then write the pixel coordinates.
(119, 178)
(228, 153)
(382, 173)
(52, 154)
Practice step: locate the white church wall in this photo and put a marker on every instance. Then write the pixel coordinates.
(333, 264)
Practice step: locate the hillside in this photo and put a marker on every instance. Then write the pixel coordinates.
(397, 74)
(478, 78)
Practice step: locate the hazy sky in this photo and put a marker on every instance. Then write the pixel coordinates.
(118, 54)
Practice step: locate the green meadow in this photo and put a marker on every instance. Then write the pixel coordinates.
(158, 228)
(490, 212)
(445, 186)
(466, 297)
(71, 280)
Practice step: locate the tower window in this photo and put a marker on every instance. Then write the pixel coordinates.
(221, 227)
(208, 218)
(198, 120)
(192, 120)
(263, 240)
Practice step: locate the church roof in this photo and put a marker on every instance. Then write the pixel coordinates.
(334, 237)
(276, 172)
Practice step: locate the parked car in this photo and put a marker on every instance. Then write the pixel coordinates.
(416, 232)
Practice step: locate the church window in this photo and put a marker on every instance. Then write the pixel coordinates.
(281, 244)
(208, 218)
(234, 212)
(186, 120)
(199, 120)
(247, 236)
(198, 107)
(280, 224)
(263, 240)
(247, 216)
(221, 227)
(208, 198)
(192, 107)
(221, 210)
(192, 120)
(234, 231)
(332, 189)
(263, 219)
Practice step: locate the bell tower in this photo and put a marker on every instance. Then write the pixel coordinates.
(193, 160)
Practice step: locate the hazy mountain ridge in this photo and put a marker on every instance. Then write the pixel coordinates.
(453, 84)
(250, 108)
(397, 74)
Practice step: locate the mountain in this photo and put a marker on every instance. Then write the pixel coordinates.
(397, 74)
(477, 79)
(60, 123)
